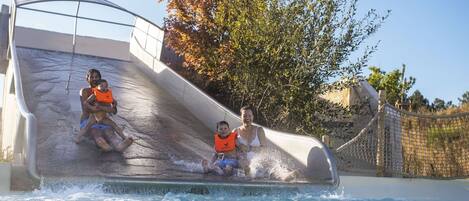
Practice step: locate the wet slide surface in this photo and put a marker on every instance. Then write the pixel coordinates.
(170, 141)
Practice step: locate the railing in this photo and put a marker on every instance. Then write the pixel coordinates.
(406, 144)
(19, 127)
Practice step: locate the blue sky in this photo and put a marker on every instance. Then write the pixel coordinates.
(429, 36)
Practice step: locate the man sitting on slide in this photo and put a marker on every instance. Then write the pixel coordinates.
(102, 134)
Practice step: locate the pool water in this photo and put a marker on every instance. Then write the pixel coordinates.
(351, 188)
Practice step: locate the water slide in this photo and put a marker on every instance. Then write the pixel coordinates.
(171, 120)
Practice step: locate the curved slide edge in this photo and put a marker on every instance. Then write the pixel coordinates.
(19, 127)
(313, 156)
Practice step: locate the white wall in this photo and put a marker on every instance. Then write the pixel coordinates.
(2, 79)
(10, 114)
(48, 40)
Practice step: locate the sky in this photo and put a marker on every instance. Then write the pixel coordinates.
(429, 36)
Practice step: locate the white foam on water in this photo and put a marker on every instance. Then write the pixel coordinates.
(270, 164)
(338, 194)
(58, 191)
(189, 166)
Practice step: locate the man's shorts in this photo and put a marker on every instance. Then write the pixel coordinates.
(97, 126)
(227, 161)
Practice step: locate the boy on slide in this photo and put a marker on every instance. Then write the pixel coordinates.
(225, 158)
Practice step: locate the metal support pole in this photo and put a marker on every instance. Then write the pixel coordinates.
(75, 28)
(73, 48)
(12, 25)
(380, 147)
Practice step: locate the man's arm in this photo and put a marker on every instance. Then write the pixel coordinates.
(241, 147)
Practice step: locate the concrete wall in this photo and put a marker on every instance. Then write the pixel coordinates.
(48, 40)
(5, 177)
(354, 95)
(364, 94)
(316, 160)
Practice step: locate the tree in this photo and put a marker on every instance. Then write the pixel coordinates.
(418, 101)
(449, 104)
(394, 82)
(465, 98)
(438, 104)
(276, 55)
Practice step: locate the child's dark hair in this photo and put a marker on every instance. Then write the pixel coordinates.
(222, 123)
(98, 82)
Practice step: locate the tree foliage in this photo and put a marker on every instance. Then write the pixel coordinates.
(418, 102)
(394, 83)
(465, 98)
(438, 104)
(276, 55)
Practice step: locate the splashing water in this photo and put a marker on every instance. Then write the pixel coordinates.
(269, 165)
(189, 166)
(352, 188)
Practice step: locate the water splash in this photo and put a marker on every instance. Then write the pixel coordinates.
(270, 165)
(338, 194)
(189, 166)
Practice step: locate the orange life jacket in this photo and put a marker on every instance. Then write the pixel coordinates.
(225, 144)
(103, 97)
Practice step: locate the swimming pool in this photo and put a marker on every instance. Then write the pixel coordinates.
(355, 188)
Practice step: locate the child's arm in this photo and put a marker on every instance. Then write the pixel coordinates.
(214, 156)
(89, 101)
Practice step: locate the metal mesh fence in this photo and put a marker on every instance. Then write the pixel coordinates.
(414, 145)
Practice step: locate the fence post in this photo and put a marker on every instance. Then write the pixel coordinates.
(381, 140)
(326, 140)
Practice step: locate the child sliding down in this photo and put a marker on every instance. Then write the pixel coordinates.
(102, 96)
(225, 158)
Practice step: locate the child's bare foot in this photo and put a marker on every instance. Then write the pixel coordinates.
(120, 130)
(218, 170)
(103, 144)
(228, 171)
(81, 133)
(124, 144)
(77, 139)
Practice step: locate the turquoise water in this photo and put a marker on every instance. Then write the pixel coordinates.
(95, 192)
(352, 188)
